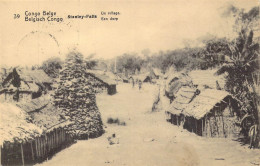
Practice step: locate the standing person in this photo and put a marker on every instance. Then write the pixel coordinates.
(140, 84)
(133, 83)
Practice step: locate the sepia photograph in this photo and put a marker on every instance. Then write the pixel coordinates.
(129, 83)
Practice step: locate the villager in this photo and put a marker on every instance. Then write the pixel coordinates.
(140, 84)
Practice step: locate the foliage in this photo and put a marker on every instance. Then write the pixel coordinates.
(180, 59)
(244, 56)
(213, 54)
(90, 64)
(128, 62)
(52, 66)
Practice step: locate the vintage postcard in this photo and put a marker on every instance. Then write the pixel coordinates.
(129, 83)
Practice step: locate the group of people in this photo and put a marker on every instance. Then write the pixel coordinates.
(139, 82)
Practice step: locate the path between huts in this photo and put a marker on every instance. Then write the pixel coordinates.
(147, 139)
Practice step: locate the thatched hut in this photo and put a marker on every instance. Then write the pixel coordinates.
(15, 130)
(101, 81)
(52, 122)
(145, 77)
(211, 113)
(156, 73)
(24, 84)
(183, 97)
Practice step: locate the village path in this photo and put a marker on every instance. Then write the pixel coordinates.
(147, 139)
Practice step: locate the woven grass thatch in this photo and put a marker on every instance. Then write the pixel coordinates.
(15, 125)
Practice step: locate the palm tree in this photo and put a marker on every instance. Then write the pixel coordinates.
(241, 72)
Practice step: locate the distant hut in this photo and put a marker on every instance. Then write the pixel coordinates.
(122, 77)
(112, 76)
(145, 77)
(156, 73)
(23, 85)
(102, 81)
(212, 113)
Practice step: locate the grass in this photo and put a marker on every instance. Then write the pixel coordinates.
(115, 121)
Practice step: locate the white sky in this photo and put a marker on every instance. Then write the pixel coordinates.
(156, 25)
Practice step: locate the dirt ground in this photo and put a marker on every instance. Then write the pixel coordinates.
(148, 140)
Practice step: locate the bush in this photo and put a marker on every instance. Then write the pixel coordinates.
(115, 121)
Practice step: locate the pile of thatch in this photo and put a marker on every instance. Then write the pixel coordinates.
(76, 98)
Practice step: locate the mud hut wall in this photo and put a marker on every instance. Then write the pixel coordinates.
(220, 123)
(36, 150)
(9, 97)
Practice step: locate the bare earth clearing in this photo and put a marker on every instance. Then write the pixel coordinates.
(148, 140)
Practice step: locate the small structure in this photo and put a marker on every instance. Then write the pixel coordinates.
(156, 73)
(145, 77)
(122, 77)
(101, 81)
(183, 97)
(23, 85)
(174, 82)
(211, 113)
(53, 136)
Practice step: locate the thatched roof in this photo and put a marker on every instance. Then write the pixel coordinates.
(122, 76)
(43, 113)
(112, 75)
(14, 126)
(207, 78)
(183, 97)
(101, 76)
(157, 72)
(49, 117)
(34, 104)
(141, 77)
(38, 76)
(176, 81)
(205, 102)
(28, 79)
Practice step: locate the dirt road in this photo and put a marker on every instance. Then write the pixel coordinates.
(148, 140)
